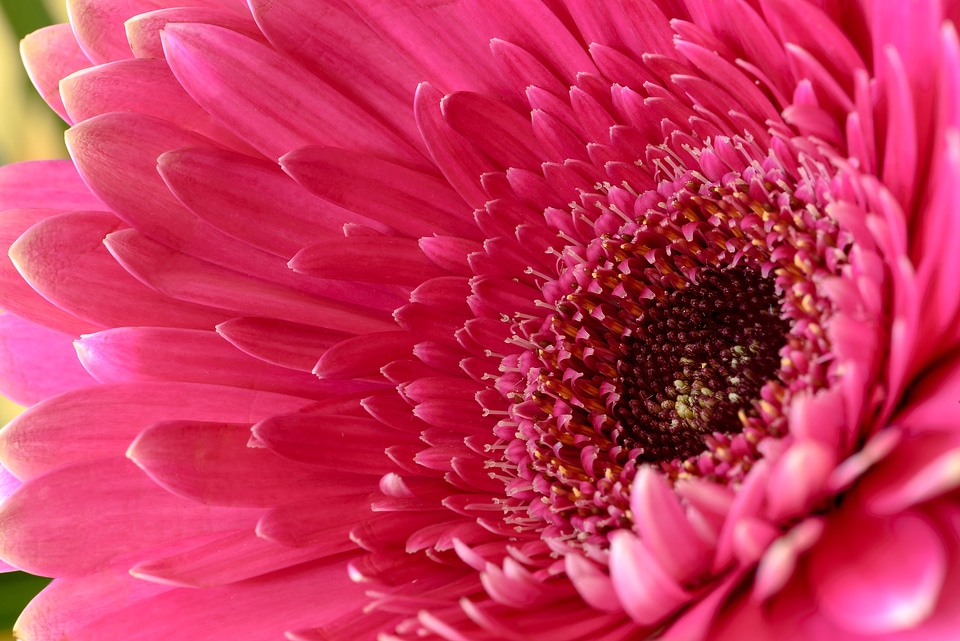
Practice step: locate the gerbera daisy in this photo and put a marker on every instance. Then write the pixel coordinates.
(497, 319)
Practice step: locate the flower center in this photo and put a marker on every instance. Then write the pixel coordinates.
(695, 361)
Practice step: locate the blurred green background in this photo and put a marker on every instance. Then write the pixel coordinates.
(28, 131)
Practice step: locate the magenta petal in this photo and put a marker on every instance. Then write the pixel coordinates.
(496, 129)
(412, 202)
(592, 583)
(44, 184)
(363, 355)
(664, 528)
(143, 86)
(49, 55)
(932, 403)
(42, 438)
(190, 356)
(36, 363)
(64, 259)
(320, 440)
(127, 512)
(646, 591)
(227, 559)
(229, 75)
(203, 179)
(251, 610)
(221, 468)
(16, 295)
(861, 590)
(323, 523)
(194, 280)
(376, 259)
(143, 30)
(74, 603)
(286, 344)
(340, 48)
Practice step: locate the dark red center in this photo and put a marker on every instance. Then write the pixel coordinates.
(696, 360)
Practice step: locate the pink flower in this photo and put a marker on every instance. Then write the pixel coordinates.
(488, 320)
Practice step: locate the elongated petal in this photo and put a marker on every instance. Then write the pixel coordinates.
(211, 62)
(29, 350)
(43, 437)
(128, 512)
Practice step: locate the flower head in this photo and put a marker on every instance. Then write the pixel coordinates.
(488, 320)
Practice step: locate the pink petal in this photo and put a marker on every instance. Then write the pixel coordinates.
(494, 128)
(377, 259)
(229, 75)
(79, 517)
(919, 469)
(64, 259)
(143, 86)
(98, 25)
(16, 296)
(324, 523)
(202, 178)
(252, 610)
(75, 602)
(363, 355)
(143, 30)
(665, 530)
(49, 55)
(858, 586)
(798, 480)
(461, 163)
(341, 49)
(286, 344)
(229, 558)
(780, 559)
(646, 591)
(411, 202)
(36, 363)
(592, 583)
(43, 437)
(221, 469)
(193, 280)
(322, 440)
(190, 356)
(931, 404)
(44, 184)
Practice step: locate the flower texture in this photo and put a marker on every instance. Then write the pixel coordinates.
(490, 319)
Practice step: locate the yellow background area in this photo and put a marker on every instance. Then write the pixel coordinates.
(29, 130)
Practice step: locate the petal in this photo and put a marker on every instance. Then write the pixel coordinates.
(225, 560)
(37, 363)
(44, 436)
(16, 295)
(212, 463)
(861, 591)
(229, 75)
(323, 440)
(49, 55)
(143, 86)
(375, 259)
(411, 202)
(203, 179)
(44, 184)
(646, 591)
(286, 344)
(190, 356)
(79, 517)
(63, 258)
(664, 528)
(252, 610)
(193, 280)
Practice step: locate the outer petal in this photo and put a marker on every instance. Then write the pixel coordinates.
(36, 363)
